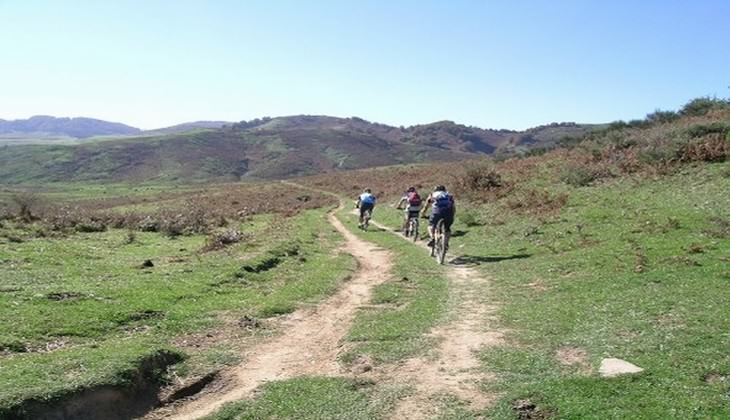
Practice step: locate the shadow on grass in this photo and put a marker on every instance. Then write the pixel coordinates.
(478, 259)
(373, 228)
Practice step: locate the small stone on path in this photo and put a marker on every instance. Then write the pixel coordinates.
(614, 367)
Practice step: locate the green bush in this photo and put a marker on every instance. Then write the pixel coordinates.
(661, 117)
(701, 130)
(470, 218)
(701, 106)
(577, 176)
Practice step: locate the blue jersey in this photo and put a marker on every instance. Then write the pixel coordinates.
(367, 198)
(442, 202)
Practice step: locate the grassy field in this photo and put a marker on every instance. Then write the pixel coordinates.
(618, 247)
(392, 329)
(83, 309)
(315, 398)
(635, 269)
(405, 308)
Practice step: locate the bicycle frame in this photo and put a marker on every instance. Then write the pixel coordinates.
(440, 242)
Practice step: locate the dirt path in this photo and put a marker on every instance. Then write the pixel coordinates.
(310, 342)
(455, 368)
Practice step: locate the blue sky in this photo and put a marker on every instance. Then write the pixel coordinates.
(495, 64)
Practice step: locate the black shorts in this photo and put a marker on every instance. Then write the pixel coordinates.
(412, 214)
(446, 216)
(365, 207)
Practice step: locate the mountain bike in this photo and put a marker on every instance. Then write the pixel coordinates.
(411, 230)
(440, 242)
(367, 214)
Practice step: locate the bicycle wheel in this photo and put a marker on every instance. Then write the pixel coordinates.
(366, 220)
(440, 243)
(433, 244)
(414, 229)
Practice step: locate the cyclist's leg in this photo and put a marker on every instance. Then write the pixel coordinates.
(363, 207)
(448, 221)
(432, 222)
(366, 208)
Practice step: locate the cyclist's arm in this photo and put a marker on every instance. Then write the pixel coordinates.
(429, 200)
(400, 203)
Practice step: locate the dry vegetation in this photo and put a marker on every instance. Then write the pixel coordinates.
(191, 212)
(657, 145)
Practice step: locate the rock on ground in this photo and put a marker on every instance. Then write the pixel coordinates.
(614, 367)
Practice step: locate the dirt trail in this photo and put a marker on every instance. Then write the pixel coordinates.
(310, 342)
(455, 368)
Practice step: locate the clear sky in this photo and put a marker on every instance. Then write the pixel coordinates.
(494, 64)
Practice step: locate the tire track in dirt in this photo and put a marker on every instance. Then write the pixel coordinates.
(310, 341)
(455, 370)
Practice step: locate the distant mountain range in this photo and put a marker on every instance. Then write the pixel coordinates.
(44, 125)
(267, 148)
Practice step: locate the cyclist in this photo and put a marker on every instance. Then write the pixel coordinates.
(365, 202)
(443, 208)
(410, 202)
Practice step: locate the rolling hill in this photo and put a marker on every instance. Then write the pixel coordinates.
(264, 152)
(47, 126)
(267, 148)
(189, 126)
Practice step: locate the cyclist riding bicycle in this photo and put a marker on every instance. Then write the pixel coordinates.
(410, 202)
(365, 202)
(443, 208)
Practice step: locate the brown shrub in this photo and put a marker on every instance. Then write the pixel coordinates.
(62, 218)
(627, 160)
(27, 204)
(711, 148)
(191, 219)
(584, 171)
(481, 182)
(5, 212)
(221, 240)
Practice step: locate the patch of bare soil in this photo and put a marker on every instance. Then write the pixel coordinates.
(455, 369)
(715, 378)
(527, 410)
(538, 285)
(570, 356)
(112, 402)
(575, 357)
(309, 343)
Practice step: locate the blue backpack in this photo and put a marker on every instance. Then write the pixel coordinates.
(366, 198)
(443, 201)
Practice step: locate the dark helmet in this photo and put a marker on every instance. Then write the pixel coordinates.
(440, 188)
(411, 189)
(367, 190)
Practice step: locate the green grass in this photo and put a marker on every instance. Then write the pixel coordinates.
(413, 301)
(66, 192)
(635, 269)
(88, 293)
(314, 398)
